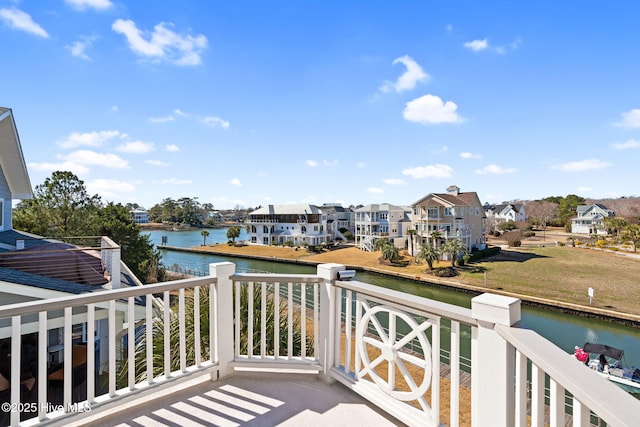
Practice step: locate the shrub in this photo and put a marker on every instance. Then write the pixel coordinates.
(514, 239)
(529, 234)
(601, 243)
(288, 243)
(496, 233)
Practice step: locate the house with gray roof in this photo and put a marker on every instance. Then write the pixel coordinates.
(590, 219)
(297, 224)
(381, 220)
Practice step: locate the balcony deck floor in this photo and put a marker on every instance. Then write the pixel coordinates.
(250, 399)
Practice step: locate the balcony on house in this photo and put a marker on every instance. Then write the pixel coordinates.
(263, 349)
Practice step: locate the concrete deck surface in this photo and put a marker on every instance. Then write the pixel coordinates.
(250, 399)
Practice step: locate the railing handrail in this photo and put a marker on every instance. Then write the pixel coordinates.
(449, 311)
(59, 303)
(615, 405)
(260, 277)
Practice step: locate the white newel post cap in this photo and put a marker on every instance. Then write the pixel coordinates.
(329, 271)
(497, 309)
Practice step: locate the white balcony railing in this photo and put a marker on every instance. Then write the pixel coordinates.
(399, 351)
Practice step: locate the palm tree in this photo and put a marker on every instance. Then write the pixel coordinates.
(381, 243)
(389, 252)
(631, 234)
(453, 248)
(204, 234)
(435, 236)
(233, 232)
(429, 254)
(411, 232)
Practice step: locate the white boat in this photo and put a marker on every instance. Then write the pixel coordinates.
(607, 361)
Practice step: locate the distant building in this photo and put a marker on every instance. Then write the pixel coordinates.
(381, 220)
(140, 217)
(498, 214)
(590, 219)
(338, 218)
(453, 215)
(296, 223)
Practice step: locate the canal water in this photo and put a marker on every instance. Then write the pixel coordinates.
(564, 330)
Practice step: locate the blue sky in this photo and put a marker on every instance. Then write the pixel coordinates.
(257, 102)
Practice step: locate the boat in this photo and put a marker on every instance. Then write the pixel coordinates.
(607, 361)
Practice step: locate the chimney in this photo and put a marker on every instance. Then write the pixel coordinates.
(453, 189)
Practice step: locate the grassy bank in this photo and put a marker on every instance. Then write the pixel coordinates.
(561, 273)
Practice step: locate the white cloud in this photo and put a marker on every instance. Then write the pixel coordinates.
(468, 155)
(429, 109)
(236, 182)
(20, 20)
(394, 181)
(375, 190)
(90, 139)
(311, 163)
(78, 48)
(495, 170)
(215, 122)
(62, 166)
(161, 119)
(109, 187)
(409, 78)
(181, 113)
(86, 4)
(632, 143)
(114, 109)
(172, 148)
(477, 45)
(630, 119)
(361, 164)
(136, 147)
(162, 44)
(176, 181)
(330, 164)
(430, 171)
(157, 163)
(87, 157)
(582, 165)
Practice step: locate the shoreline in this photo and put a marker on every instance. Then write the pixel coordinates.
(580, 310)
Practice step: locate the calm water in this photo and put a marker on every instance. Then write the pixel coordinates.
(564, 330)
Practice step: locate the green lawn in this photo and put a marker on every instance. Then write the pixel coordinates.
(564, 273)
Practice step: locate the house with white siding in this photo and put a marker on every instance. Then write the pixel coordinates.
(590, 219)
(381, 220)
(296, 224)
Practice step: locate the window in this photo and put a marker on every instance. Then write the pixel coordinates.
(448, 212)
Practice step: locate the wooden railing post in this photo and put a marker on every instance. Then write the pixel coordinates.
(493, 361)
(222, 320)
(329, 273)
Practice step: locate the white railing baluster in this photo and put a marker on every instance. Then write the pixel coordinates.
(454, 365)
(357, 364)
(42, 365)
(276, 320)
(131, 343)
(182, 331)
(348, 331)
(337, 326)
(238, 320)
(580, 414)
(91, 352)
(16, 337)
(537, 396)
(196, 325)
(521, 390)
(303, 321)
(263, 320)
(167, 334)
(67, 384)
(316, 322)
(289, 320)
(250, 311)
(149, 338)
(391, 339)
(435, 361)
(556, 404)
(112, 347)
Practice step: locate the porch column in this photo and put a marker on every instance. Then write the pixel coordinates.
(221, 317)
(493, 361)
(328, 272)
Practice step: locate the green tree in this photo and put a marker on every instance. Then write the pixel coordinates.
(381, 243)
(136, 250)
(454, 248)
(615, 224)
(429, 254)
(233, 233)
(631, 234)
(61, 207)
(567, 209)
(204, 234)
(389, 252)
(435, 236)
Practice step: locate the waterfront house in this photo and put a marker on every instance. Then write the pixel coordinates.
(498, 214)
(590, 219)
(452, 215)
(381, 220)
(339, 219)
(295, 224)
(140, 216)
